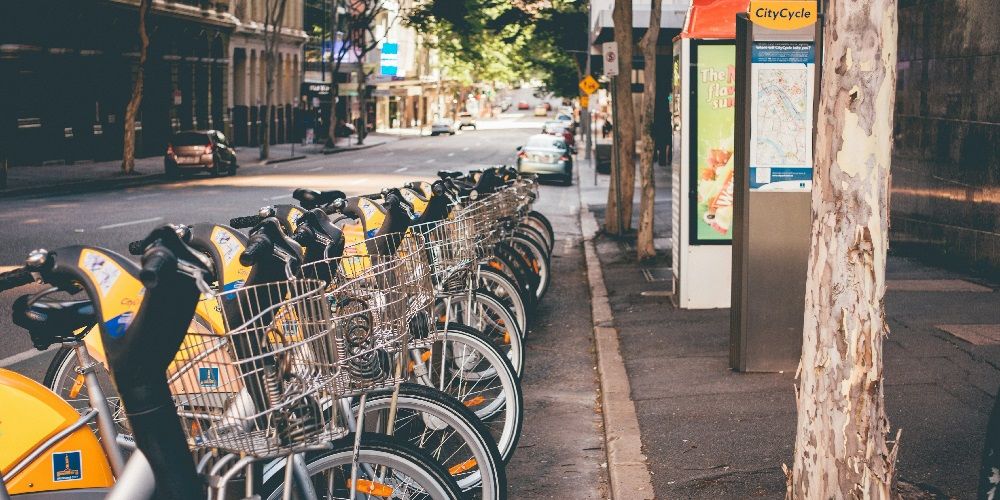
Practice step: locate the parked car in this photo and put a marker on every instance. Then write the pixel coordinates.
(567, 118)
(523, 105)
(466, 120)
(443, 126)
(541, 111)
(559, 128)
(199, 150)
(548, 105)
(547, 156)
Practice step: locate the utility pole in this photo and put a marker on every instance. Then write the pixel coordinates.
(587, 121)
(322, 44)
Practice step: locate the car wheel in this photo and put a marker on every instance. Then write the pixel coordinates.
(232, 168)
(433, 134)
(216, 169)
(452, 132)
(568, 180)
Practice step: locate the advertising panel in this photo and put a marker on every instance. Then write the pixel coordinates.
(713, 116)
(781, 110)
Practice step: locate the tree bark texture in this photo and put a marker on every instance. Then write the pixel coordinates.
(132, 109)
(841, 448)
(274, 17)
(623, 179)
(644, 241)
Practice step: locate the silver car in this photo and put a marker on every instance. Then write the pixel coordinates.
(548, 156)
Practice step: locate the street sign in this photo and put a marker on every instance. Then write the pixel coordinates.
(782, 14)
(585, 101)
(610, 50)
(389, 59)
(589, 85)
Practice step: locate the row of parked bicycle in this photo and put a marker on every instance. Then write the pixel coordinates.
(348, 347)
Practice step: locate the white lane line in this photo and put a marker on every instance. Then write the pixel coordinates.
(279, 197)
(317, 169)
(358, 160)
(451, 154)
(17, 358)
(465, 149)
(401, 169)
(147, 195)
(389, 153)
(130, 223)
(430, 161)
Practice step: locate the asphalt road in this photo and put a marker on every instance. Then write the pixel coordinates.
(561, 451)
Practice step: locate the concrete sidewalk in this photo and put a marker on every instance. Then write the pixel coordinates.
(87, 176)
(709, 432)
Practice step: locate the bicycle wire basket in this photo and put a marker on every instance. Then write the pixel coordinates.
(254, 382)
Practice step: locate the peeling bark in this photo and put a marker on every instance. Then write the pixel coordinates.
(274, 17)
(644, 241)
(132, 109)
(625, 166)
(841, 448)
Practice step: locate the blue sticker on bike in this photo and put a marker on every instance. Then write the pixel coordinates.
(67, 466)
(208, 377)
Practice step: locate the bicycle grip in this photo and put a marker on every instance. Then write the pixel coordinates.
(258, 246)
(245, 222)
(136, 247)
(155, 265)
(15, 278)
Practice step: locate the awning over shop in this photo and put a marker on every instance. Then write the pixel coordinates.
(713, 19)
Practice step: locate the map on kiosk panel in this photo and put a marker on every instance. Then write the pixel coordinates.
(782, 135)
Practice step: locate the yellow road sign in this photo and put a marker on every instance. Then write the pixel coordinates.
(589, 85)
(585, 101)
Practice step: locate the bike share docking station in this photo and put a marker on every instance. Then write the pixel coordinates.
(776, 97)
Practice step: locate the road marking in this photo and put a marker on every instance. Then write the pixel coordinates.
(147, 195)
(430, 161)
(17, 358)
(389, 153)
(130, 223)
(279, 197)
(465, 149)
(451, 154)
(317, 169)
(358, 160)
(78, 230)
(401, 169)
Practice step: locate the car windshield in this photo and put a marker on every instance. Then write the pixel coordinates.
(544, 142)
(190, 139)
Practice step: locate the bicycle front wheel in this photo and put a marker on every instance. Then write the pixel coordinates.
(387, 468)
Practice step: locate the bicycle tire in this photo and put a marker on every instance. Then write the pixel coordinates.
(508, 339)
(490, 476)
(377, 450)
(507, 291)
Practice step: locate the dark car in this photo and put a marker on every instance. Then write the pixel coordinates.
(199, 150)
(548, 156)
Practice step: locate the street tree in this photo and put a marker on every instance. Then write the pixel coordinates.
(274, 17)
(366, 25)
(618, 219)
(644, 240)
(842, 444)
(132, 109)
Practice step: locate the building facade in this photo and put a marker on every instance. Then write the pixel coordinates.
(247, 78)
(68, 75)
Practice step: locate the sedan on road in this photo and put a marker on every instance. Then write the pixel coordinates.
(199, 150)
(443, 127)
(548, 156)
(541, 110)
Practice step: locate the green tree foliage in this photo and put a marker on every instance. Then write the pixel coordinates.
(508, 41)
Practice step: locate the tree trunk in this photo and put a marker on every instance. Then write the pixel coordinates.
(274, 17)
(334, 120)
(362, 107)
(624, 169)
(128, 142)
(644, 241)
(841, 446)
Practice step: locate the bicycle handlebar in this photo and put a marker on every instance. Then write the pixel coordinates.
(156, 264)
(259, 246)
(15, 278)
(246, 222)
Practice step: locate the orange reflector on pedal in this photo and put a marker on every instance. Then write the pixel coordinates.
(476, 401)
(506, 337)
(462, 467)
(372, 488)
(77, 385)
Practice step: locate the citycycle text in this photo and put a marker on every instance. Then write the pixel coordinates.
(788, 14)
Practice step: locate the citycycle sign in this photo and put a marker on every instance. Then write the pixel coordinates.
(782, 14)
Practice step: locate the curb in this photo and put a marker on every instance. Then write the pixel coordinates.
(284, 159)
(627, 468)
(356, 148)
(106, 184)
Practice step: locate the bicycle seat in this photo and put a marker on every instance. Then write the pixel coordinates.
(450, 174)
(309, 198)
(53, 322)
